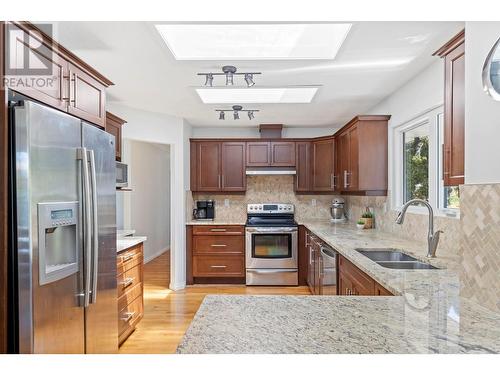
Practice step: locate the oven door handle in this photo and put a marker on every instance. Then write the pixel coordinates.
(274, 230)
(270, 270)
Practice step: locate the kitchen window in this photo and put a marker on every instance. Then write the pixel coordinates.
(417, 165)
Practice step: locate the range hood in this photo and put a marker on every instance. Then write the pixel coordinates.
(267, 171)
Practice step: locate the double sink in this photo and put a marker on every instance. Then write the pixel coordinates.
(395, 259)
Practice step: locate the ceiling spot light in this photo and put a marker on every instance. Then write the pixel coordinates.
(229, 71)
(236, 109)
(222, 115)
(250, 115)
(209, 79)
(249, 79)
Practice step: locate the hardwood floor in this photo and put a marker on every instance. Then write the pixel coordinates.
(167, 314)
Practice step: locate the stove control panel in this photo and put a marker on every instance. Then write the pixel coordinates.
(270, 208)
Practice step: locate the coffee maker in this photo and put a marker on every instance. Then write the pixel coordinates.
(204, 210)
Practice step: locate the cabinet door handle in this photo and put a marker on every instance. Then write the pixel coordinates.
(218, 266)
(127, 282)
(218, 245)
(126, 258)
(128, 316)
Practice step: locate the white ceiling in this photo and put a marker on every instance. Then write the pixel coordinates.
(375, 59)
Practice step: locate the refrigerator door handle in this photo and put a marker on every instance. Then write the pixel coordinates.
(95, 228)
(87, 233)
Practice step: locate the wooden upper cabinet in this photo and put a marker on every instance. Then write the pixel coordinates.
(55, 93)
(282, 154)
(453, 54)
(87, 97)
(271, 154)
(233, 166)
(209, 171)
(258, 154)
(362, 155)
(218, 166)
(114, 126)
(75, 87)
(303, 178)
(323, 165)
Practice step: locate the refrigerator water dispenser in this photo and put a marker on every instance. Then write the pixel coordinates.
(57, 240)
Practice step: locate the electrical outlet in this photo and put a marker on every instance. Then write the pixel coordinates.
(313, 202)
(226, 202)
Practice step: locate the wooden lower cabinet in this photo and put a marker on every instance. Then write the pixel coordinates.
(217, 254)
(130, 290)
(354, 282)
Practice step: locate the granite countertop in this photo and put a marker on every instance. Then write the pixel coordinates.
(426, 315)
(213, 222)
(129, 241)
(120, 233)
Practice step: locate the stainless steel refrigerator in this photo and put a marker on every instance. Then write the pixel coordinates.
(64, 230)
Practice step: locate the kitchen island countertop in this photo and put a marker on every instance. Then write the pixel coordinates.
(426, 314)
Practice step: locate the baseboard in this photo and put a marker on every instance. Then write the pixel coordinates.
(177, 286)
(156, 255)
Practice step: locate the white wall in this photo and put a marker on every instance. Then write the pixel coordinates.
(482, 113)
(160, 128)
(253, 132)
(421, 93)
(149, 169)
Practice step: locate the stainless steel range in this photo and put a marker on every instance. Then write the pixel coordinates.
(271, 244)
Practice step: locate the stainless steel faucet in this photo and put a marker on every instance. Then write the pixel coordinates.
(432, 238)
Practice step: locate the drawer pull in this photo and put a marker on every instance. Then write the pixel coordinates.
(127, 282)
(217, 245)
(218, 230)
(128, 316)
(126, 258)
(218, 266)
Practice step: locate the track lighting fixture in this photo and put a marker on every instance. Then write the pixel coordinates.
(229, 71)
(236, 112)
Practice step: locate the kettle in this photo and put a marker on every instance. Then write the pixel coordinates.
(337, 210)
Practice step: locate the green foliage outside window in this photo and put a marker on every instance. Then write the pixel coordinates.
(417, 168)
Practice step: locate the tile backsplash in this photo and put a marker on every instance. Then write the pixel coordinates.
(267, 189)
(480, 244)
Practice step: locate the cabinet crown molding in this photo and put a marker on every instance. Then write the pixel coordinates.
(451, 44)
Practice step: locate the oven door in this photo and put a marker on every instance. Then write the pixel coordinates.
(271, 247)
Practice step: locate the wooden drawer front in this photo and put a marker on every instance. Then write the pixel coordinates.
(130, 294)
(219, 230)
(130, 315)
(218, 244)
(362, 284)
(129, 279)
(217, 265)
(129, 259)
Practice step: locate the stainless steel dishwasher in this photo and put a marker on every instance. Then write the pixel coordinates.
(328, 271)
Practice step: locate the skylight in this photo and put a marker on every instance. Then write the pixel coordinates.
(257, 95)
(285, 41)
